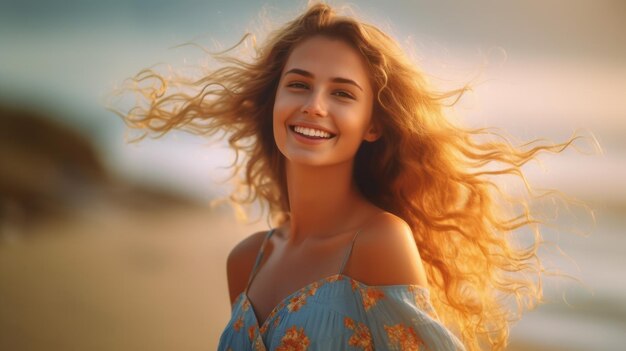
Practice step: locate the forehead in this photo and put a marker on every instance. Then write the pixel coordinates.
(328, 58)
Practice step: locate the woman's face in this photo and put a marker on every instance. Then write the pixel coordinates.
(325, 93)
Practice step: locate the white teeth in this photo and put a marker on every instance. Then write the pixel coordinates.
(312, 132)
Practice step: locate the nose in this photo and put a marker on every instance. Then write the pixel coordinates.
(314, 106)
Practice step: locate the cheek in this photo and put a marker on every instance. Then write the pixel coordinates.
(281, 105)
(279, 117)
(355, 120)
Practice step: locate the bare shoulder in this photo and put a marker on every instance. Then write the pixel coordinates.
(240, 262)
(385, 253)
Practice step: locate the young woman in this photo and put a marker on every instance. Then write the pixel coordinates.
(387, 233)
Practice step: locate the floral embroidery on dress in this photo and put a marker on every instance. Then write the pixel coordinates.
(370, 296)
(334, 278)
(422, 300)
(238, 323)
(294, 340)
(354, 284)
(403, 337)
(296, 302)
(276, 321)
(258, 344)
(362, 337)
(245, 305)
(263, 328)
(313, 288)
(251, 332)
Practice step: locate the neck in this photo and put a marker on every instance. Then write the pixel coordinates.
(323, 201)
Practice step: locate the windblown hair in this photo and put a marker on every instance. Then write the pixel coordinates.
(424, 169)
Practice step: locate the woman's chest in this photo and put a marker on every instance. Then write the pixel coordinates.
(283, 274)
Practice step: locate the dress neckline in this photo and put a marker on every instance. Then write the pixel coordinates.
(281, 304)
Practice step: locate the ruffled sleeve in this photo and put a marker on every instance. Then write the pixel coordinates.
(400, 317)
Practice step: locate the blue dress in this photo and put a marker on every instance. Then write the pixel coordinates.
(339, 313)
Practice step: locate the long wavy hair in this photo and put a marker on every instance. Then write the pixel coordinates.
(438, 177)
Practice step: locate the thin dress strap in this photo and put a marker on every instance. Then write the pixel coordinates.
(345, 259)
(259, 257)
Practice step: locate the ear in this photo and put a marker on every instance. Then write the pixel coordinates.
(373, 133)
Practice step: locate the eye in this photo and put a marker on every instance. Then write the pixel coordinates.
(297, 85)
(344, 94)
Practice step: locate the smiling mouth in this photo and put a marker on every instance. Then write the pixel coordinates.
(293, 129)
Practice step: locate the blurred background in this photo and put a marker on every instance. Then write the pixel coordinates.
(106, 245)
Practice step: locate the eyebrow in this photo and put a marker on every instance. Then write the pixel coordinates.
(335, 80)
